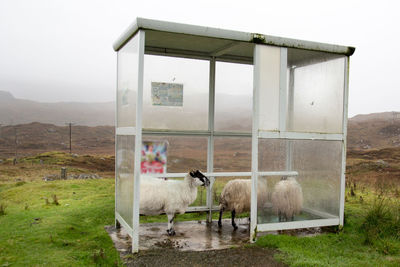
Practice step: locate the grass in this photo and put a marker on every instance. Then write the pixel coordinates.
(72, 233)
(69, 234)
(61, 223)
(381, 226)
(364, 240)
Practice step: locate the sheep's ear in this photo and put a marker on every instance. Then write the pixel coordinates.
(192, 173)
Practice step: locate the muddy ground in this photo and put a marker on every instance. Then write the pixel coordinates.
(225, 257)
(196, 244)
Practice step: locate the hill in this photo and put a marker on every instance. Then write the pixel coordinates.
(20, 111)
(33, 138)
(372, 131)
(365, 132)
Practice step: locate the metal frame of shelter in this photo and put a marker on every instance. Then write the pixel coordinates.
(188, 41)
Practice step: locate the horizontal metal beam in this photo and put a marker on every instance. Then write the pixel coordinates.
(201, 208)
(300, 136)
(223, 50)
(210, 174)
(172, 132)
(194, 132)
(278, 173)
(296, 225)
(161, 51)
(222, 174)
(125, 131)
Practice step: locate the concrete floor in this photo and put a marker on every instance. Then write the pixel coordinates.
(193, 236)
(190, 235)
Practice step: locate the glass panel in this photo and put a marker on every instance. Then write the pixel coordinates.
(232, 154)
(316, 85)
(128, 63)
(219, 185)
(272, 154)
(125, 160)
(319, 166)
(166, 108)
(267, 79)
(233, 97)
(184, 153)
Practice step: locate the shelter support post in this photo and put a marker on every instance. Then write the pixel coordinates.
(138, 145)
(254, 147)
(344, 142)
(210, 149)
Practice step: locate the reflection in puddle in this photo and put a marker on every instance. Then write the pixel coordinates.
(191, 236)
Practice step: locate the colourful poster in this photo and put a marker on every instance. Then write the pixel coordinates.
(154, 157)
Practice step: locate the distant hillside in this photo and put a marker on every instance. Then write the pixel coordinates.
(37, 137)
(20, 111)
(41, 126)
(376, 130)
(231, 111)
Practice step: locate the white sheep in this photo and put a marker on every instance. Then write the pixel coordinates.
(170, 196)
(287, 198)
(236, 197)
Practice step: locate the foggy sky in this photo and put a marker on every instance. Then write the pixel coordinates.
(52, 50)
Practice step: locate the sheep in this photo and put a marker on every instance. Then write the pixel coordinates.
(287, 198)
(236, 197)
(170, 196)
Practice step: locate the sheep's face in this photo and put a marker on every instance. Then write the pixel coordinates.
(199, 178)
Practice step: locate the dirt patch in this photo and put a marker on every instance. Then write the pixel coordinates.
(252, 256)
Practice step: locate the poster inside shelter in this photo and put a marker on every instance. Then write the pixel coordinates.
(167, 94)
(154, 157)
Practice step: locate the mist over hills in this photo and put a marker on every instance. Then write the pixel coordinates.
(366, 131)
(19, 111)
(15, 111)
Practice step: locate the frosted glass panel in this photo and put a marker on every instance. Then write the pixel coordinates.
(219, 185)
(232, 154)
(125, 159)
(233, 97)
(318, 164)
(128, 62)
(183, 153)
(267, 69)
(272, 154)
(189, 113)
(316, 85)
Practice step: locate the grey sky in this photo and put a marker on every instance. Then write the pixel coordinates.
(52, 50)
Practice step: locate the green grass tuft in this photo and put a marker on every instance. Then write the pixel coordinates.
(381, 226)
(2, 209)
(346, 247)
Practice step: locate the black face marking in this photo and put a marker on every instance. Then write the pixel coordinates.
(200, 176)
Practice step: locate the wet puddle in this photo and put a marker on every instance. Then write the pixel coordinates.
(191, 235)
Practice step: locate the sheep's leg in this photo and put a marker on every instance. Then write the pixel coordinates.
(221, 210)
(233, 219)
(170, 229)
